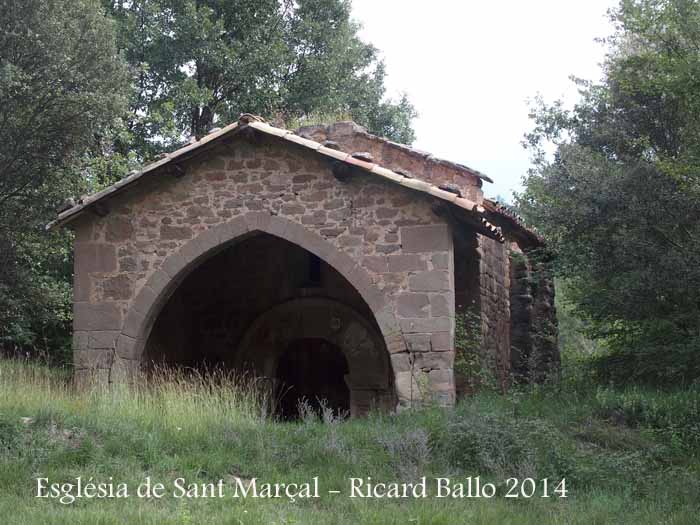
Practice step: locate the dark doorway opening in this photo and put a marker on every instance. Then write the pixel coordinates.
(264, 307)
(312, 370)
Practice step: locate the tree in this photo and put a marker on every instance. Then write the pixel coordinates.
(619, 200)
(62, 86)
(198, 63)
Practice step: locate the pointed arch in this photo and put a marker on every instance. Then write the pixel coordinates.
(178, 265)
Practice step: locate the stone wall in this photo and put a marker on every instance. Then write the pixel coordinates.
(520, 313)
(467, 304)
(425, 310)
(352, 138)
(374, 232)
(494, 273)
(211, 309)
(535, 353)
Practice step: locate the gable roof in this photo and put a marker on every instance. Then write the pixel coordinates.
(315, 131)
(475, 212)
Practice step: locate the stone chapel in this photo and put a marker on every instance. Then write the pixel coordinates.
(326, 259)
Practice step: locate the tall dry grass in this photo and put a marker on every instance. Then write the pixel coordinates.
(178, 397)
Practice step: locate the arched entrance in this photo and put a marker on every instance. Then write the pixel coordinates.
(173, 309)
(334, 324)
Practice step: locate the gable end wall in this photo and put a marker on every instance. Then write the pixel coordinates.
(390, 233)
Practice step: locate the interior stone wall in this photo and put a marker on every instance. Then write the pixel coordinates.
(368, 376)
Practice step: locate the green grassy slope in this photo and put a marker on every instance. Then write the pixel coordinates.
(628, 457)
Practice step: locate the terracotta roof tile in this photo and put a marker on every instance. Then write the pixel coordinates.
(494, 208)
(257, 123)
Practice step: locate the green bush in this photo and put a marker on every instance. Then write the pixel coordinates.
(673, 416)
(505, 446)
(652, 362)
(613, 447)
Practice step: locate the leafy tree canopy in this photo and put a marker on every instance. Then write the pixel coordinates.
(198, 63)
(89, 89)
(620, 197)
(62, 87)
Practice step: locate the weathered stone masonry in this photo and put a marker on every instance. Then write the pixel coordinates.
(390, 244)
(535, 355)
(494, 271)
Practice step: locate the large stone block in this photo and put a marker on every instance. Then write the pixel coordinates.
(81, 340)
(94, 258)
(82, 287)
(394, 341)
(146, 300)
(401, 362)
(441, 378)
(173, 265)
(376, 264)
(118, 229)
(101, 316)
(407, 388)
(431, 238)
(103, 339)
(434, 360)
(441, 341)
(278, 227)
(406, 262)
(127, 347)
(198, 246)
(258, 220)
(93, 358)
(441, 260)
(423, 325)
(440, 306)
(83, 228)
(412, 305)
(135, 321)
(418, 342)
(159, 281)
(429, 281)
(119, 287)
(232, 229)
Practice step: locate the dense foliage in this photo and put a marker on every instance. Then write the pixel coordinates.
(61, 87)
(620, 198)
(89, 90)
(628, 456)
(201, 63)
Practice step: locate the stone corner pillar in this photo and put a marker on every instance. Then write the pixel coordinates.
(425, 311)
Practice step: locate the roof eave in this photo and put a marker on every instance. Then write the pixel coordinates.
(250, 121)
(179, 155)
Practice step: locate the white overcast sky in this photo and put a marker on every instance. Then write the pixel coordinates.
(469, 67)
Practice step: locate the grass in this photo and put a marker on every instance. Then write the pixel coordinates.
(629, 456)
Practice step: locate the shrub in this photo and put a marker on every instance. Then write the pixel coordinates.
(505, 446)
(473, 371)
(669, 363)
(410, 452)
(673, 416)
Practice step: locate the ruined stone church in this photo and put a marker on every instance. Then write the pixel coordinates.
(331, 261)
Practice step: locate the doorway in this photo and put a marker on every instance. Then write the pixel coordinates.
(312, 371)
